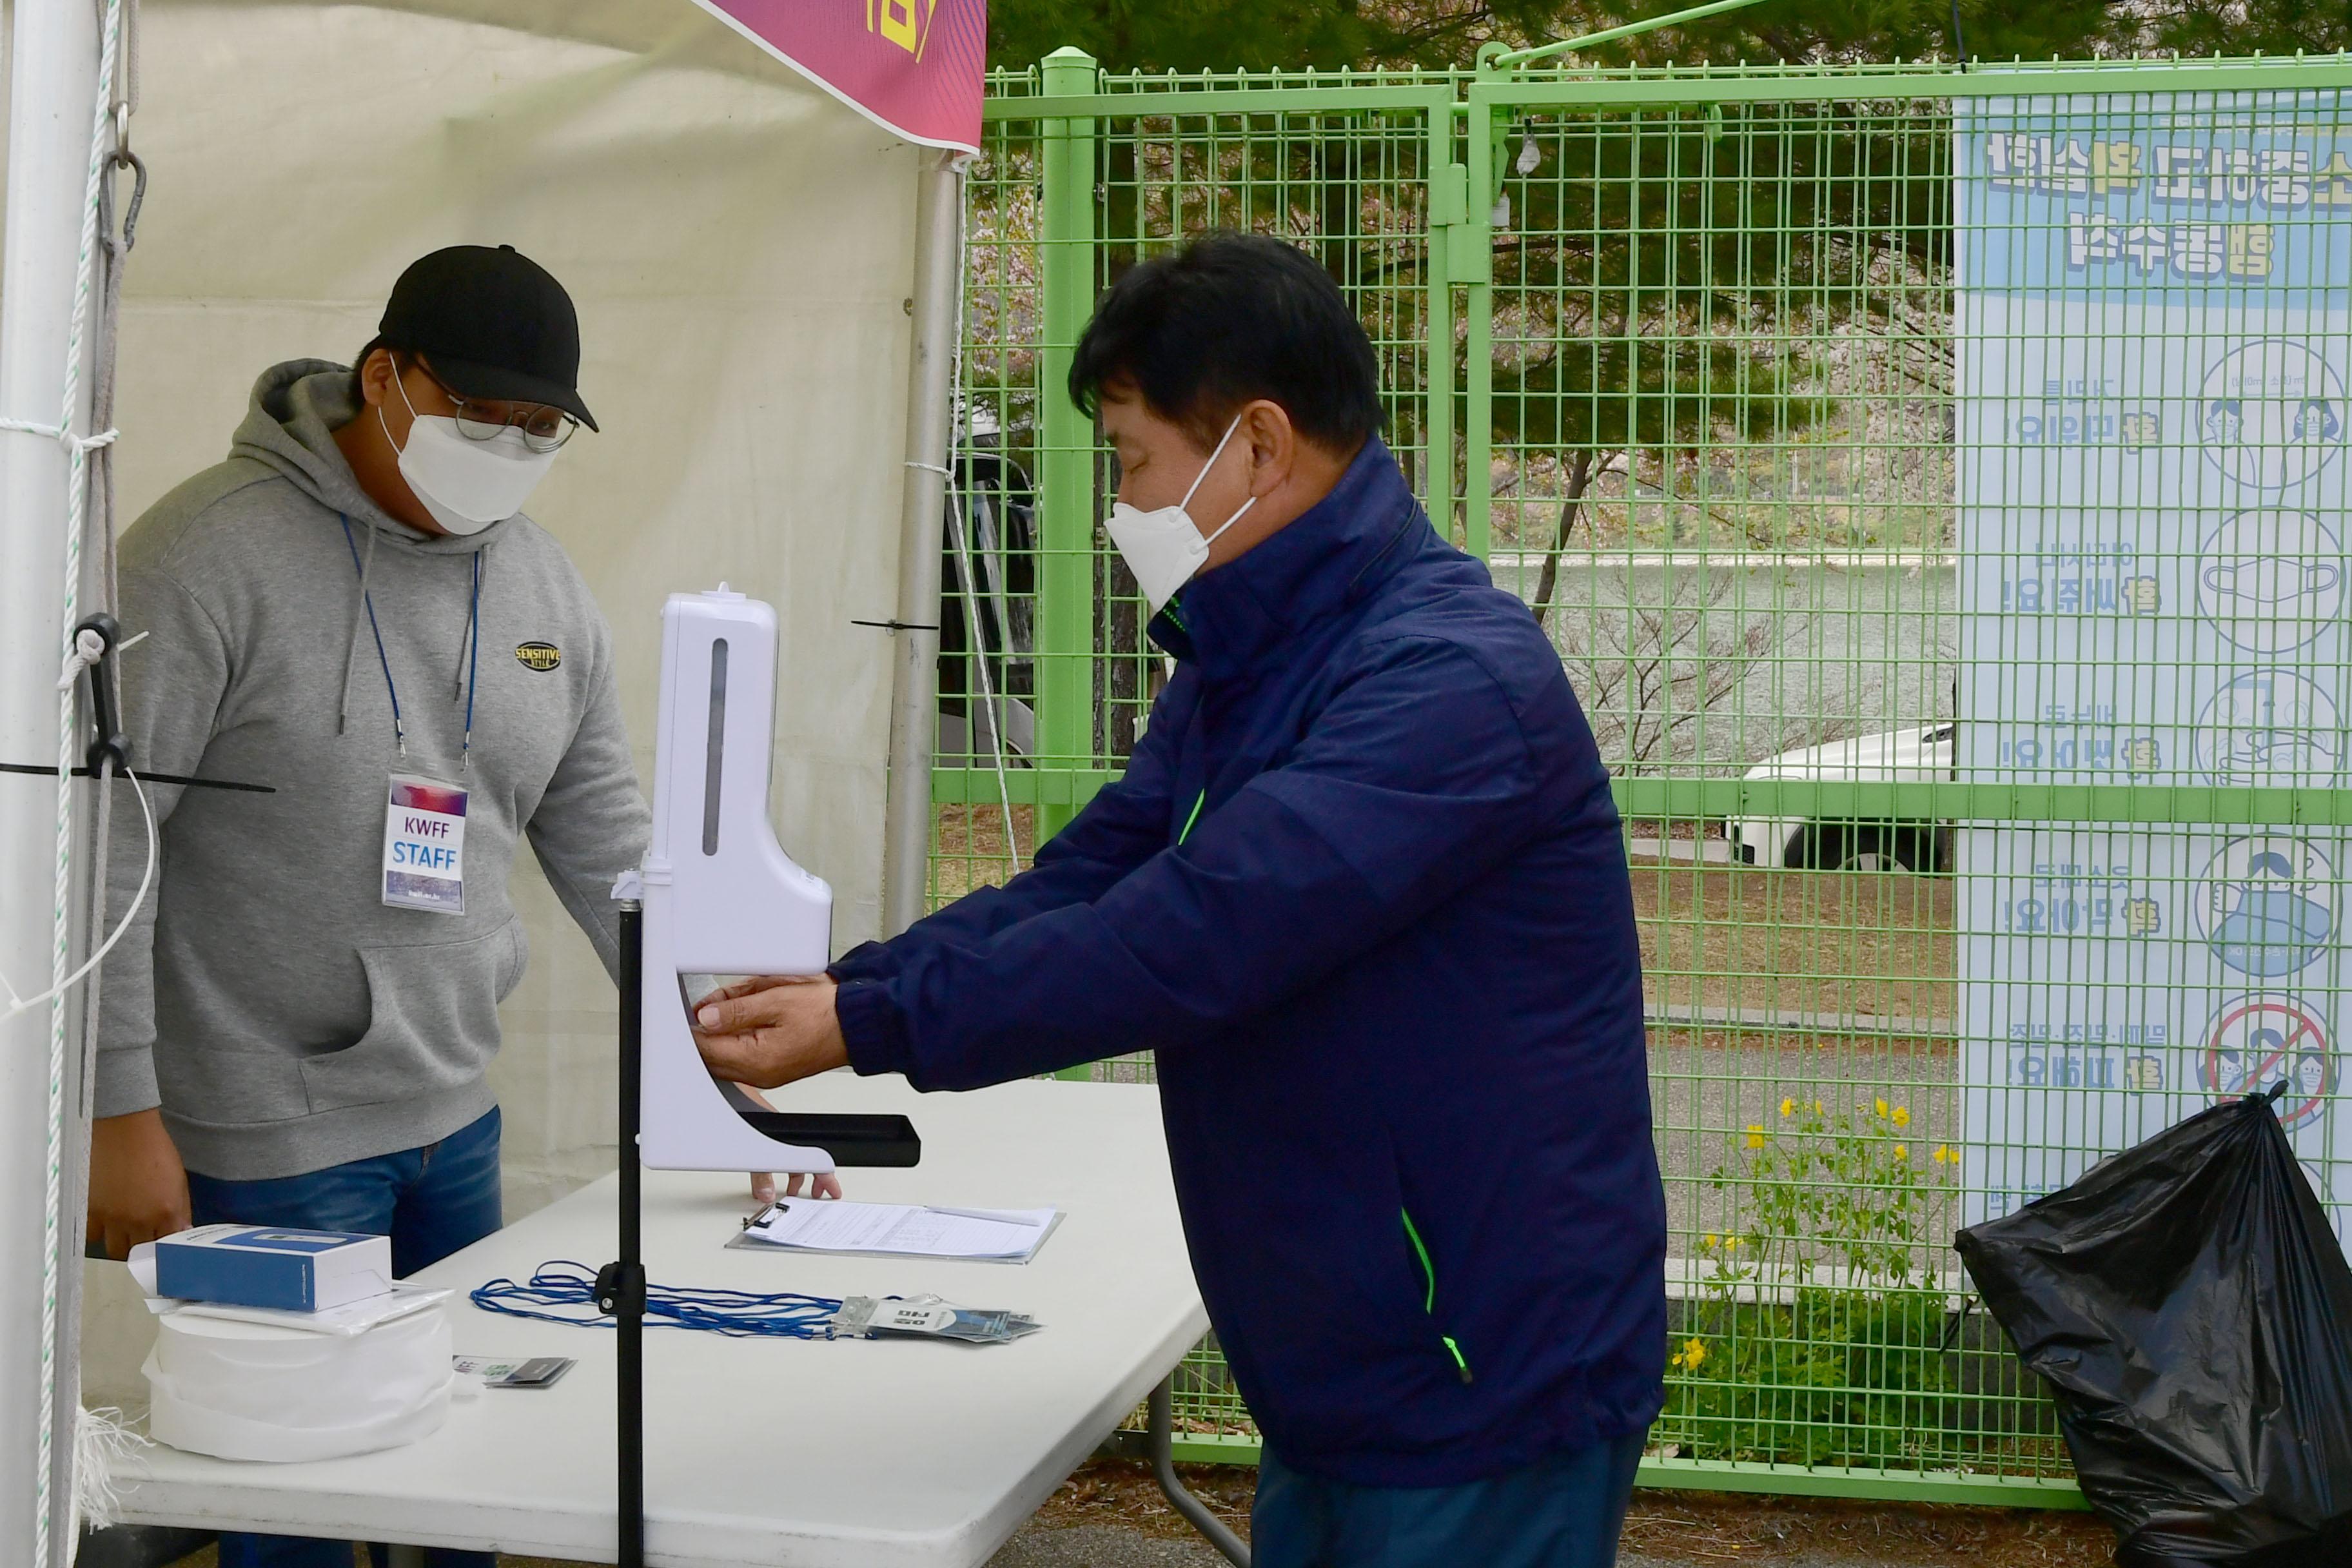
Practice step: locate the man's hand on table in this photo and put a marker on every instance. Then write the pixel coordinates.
(763, 1182)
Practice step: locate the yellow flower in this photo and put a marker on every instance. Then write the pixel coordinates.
(1946, 1154)
(1903, 1150)
(1706, 1242)
(1693, 1354)
(1817, 1107)
(1789, 1106)
(1730, 1244)
(1881, 1108)
(1755, 1135)
(1902, 1116)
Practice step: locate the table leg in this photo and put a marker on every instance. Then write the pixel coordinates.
(407, 1557)
(1160, 1427)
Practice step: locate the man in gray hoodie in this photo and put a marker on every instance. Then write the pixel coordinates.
(353, 610)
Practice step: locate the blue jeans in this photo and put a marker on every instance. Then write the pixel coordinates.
(1563, 1512)
(431, 1202)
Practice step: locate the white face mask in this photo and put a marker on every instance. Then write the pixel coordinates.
(465, 484)
(1164, 548)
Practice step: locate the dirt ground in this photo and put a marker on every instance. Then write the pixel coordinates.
(1847, 943)
(1111, 1502)
(1667, 1527)
(1699, 1529)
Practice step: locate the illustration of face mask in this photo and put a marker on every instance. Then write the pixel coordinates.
(2316, 421)
(2299, 749)
(2271, 929)
(2225, 423)
(2260, 582)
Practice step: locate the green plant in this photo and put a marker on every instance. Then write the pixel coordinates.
(1855, 1189)
(1777, 1365)
(1839, 1377)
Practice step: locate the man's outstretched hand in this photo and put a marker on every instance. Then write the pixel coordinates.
(770, 1031)
(763, 1182)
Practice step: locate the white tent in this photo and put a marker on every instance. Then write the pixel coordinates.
(740, 246)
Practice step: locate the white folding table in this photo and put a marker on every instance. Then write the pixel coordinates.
(865, 1453)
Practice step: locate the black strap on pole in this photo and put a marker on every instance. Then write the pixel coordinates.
(110, 744)
(109, 747)
(49, 770)
(621, 1286)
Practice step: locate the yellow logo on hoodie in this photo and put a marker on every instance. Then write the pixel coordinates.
(541, 657)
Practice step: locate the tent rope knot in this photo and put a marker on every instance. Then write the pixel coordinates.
(62, 434)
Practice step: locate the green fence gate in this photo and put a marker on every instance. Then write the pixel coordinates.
(1894, 454)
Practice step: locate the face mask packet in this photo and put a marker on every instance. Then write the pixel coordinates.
(929, 1317)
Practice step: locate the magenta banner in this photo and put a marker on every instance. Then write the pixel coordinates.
(912, 66)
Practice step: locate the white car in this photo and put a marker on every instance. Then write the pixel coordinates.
(1892, 756)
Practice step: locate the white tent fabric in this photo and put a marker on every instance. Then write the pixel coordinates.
(740, 248)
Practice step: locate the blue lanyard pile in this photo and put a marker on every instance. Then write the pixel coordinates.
(739, 1314)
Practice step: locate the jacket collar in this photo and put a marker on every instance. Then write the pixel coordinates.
(1325, 559)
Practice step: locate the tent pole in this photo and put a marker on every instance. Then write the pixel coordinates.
(53, 97)
(907, 823)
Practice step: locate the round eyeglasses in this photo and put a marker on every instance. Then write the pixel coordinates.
(543, 428)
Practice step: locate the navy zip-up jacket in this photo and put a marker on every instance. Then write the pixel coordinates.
(1362, 890)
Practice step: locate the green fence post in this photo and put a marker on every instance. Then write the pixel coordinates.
(1473, 264)
(1066, 442)
(1447, 201)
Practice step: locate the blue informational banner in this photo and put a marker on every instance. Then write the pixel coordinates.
(2153, 340)
(2198, 197)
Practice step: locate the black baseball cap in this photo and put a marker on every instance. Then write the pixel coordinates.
(494, 325)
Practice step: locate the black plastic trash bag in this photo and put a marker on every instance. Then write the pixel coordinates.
(2193, 1315)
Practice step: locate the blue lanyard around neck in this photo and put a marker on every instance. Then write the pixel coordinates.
(473, 647)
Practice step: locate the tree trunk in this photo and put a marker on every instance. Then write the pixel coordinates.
(1579, 476)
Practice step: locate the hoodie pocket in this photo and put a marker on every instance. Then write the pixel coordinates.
(433, 1021)
(1428, 1272)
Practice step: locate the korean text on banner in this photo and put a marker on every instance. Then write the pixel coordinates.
(2153, 366)
(913, 67)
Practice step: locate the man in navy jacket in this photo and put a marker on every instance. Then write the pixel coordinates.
(1363, 890)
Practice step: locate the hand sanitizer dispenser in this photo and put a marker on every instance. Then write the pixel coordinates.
(720, 895)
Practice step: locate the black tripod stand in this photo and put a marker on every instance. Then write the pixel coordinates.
(866, 1141)
(621, 1287)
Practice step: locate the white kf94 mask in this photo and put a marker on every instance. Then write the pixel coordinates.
(467, 485)
(1164, 548)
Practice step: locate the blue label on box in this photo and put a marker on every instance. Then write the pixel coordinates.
(280, 1279)
(292, 1240)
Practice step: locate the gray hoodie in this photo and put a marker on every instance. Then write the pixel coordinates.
(282, 1014)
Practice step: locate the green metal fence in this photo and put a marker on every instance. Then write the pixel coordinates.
(1911, 466)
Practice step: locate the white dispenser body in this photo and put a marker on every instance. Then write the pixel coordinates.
(720, 895)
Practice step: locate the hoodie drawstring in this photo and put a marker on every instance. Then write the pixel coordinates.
(472, 647)
(352, 649)
(470, 651)
(468, 659)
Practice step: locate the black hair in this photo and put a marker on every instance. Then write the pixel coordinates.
(1229, 318)
(399, 360)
